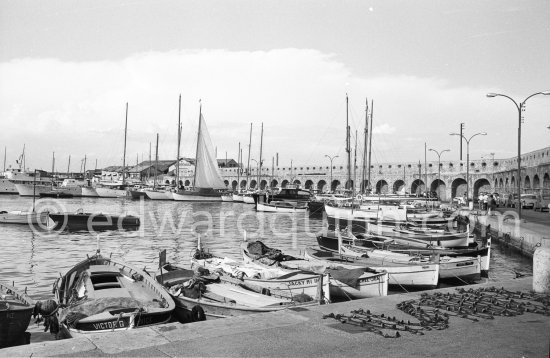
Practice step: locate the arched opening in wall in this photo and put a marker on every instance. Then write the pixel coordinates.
(496, 184)
(501, 184)
(253, 184)
(546, 181)
(506, 184)
(297, 182)
(173, 182)
(349, 184)
(334, 185)
(399, 186)
(180, 184)
(243, 184)
(527, 182)
(321, 185)
(513, 182)
(167, 182)
(284, 183)
(536, 182)
(364, 186)
(382, 187)
(187, 183)
(226, 182)
(309, 184)
(274, 183)
(234, 185)
(482, 186)
(439, 187)
(418, 187)
(458, 188)
(263, 184)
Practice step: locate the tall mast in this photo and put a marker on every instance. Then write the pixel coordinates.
(24, 160)
(272, 171)
(69, 166)
(198, 141)
(179, 141)
(156, 163)
(239, 168)
(5, 151)
(348, 146)
(53, 166)
(124, 157)
(248, 165)
(355, 165)
(261, 144)
(365, 147)
(370, 140)
(149, 175)
(84, 171)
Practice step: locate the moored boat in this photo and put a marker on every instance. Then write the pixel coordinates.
(24, 217)
(16, 308)
(80, 220)
(418, 275)
(344, 282)
(280, 206)
(101, 295)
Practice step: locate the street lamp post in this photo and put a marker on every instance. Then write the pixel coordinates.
(520, 107)
(468, 161)
(439, 166)
(331, 159)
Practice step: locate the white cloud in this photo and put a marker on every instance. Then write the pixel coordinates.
(299, 95)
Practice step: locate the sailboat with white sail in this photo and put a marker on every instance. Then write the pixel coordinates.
(208, 184)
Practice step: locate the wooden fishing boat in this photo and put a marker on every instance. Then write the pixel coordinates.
(280, 206)
(100, 294)
(417, 275)
(466, 261)
(198, 295)
(24, 217)
(279, 282)
(93, 221)
(464, 269)
(16, 309)
(344, 282)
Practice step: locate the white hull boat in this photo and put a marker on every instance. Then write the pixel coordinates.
(344, 282)
(400, 274)
(111, 193)
(190, 197)
(227, 197)
(238, 198)
(281, 207)
(24, 217)
(89, 191)
(383, 213)
(32, 190)
(248, 199)
(158, 195)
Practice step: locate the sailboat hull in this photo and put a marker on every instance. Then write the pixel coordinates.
(198, 195)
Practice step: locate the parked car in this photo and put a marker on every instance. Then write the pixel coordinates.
(528, 200)
(543, 201)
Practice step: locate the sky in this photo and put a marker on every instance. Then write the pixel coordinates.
(68, 68)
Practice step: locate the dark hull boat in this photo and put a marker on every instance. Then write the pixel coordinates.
(16, 309)
(100, 294)
(93, 221)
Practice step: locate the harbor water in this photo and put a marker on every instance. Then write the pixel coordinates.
(35, 257)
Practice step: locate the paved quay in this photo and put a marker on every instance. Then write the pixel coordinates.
(305, 333)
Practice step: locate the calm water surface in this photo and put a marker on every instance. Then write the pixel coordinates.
(35, 258)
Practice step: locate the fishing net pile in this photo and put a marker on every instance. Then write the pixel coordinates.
(432, 311)
(259, 251)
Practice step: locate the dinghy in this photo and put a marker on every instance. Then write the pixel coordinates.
(16, 309)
